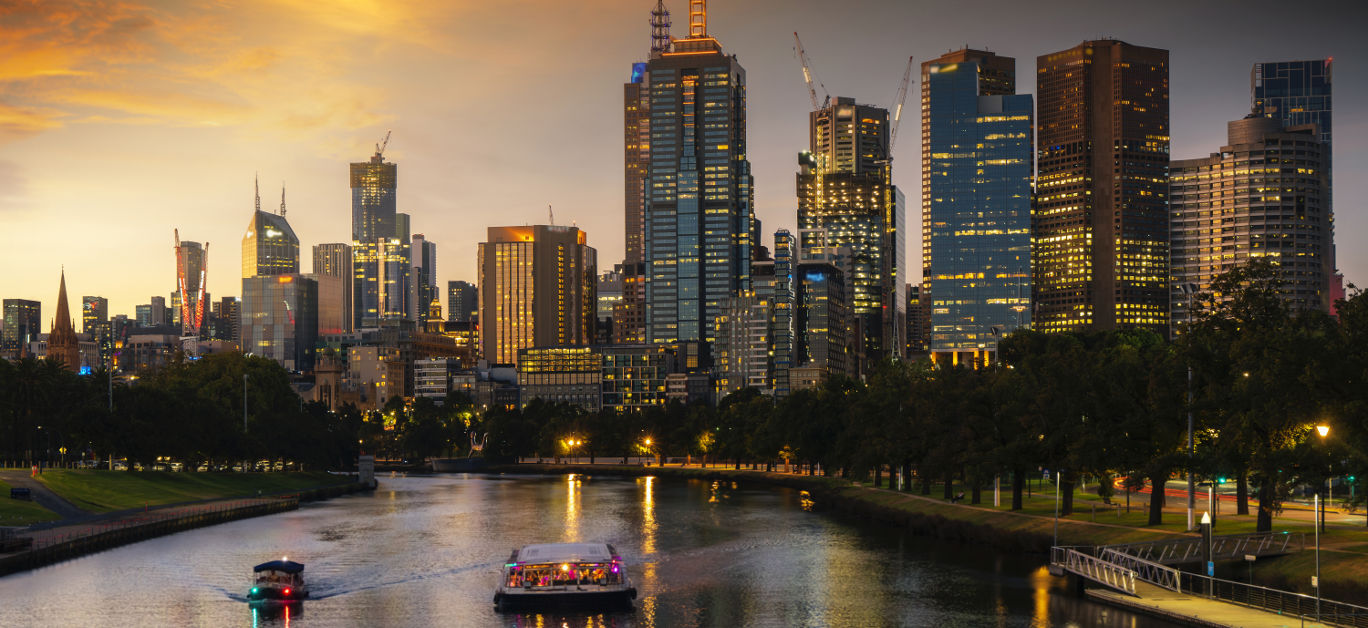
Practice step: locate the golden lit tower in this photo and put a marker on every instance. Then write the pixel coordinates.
(1099, 226)
(62, 344)
(537, 288)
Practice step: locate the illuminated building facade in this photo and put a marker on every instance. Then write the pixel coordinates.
(572, 375)
(741, 353)
(280, 319)
(381, 266)
(699, 217)
(976, 201)
(537, 289)
(1265, 195)
(95, 323)
(191, 262)
(783, 310)
(270, 246)
(463, 302)
(1299, 93)
(334, 259)
(1099, 226)
(845, 196)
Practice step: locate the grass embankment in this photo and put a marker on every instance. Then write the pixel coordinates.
(1344, 550)
(105, 491)
(18, 512)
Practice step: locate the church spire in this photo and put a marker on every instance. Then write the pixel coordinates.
(62, 343)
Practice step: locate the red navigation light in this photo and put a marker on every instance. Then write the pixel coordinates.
(287, 591)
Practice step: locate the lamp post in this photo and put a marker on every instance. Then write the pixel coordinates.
(1323, 430)
(1318, 511)
(1190, 291)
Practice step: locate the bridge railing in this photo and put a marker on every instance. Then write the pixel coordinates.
(1148, 571)
(1301, 605)
(1186, 550)
(1094, 568)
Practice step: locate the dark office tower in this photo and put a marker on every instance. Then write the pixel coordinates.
(269, 247)
(422, 276)
(536, 290)
(629, 315)
(1264, 196)
(462, 301)
(230, 315)
(846, 198)
(374, 186)
(820, 325)
(1099, 228)
(191, 263)
(334, 260)
(279, 319)
(94, 313)
(916, 338)
(23, 323)
(699, 197)
(380, 244)
(783, 312)
(1298, 92)
(976, 202)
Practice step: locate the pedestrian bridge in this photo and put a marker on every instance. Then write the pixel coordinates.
(1230, 547)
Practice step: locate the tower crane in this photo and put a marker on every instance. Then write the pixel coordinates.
(898, 107)
(380, 148)
(807, 75)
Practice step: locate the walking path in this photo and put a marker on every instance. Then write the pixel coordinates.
(41, 494)
(1195, 610)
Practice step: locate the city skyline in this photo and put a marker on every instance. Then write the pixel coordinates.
(127, 164)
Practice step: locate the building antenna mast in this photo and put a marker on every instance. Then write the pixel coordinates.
(282, 199)
(550, 215)
(660, 30)
(256, 184)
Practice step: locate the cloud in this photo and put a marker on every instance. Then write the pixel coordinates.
(13, 187)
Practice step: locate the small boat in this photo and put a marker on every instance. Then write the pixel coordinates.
(589, 575)
(279, 581)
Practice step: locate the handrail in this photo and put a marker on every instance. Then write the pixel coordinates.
(1151, 572)
(1330, 612)
(1094, 568)
(1174, 551)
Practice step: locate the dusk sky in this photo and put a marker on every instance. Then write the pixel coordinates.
(120, 121)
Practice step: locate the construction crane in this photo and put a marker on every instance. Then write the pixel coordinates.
(898, 107)
(807, 75)
(380, 148)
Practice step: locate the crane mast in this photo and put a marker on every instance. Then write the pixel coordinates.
(898, 107)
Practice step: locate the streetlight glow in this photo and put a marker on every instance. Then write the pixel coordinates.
(1323, 430)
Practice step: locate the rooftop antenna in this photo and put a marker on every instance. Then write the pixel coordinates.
(660, 30)
(550, 215)
(256, 183)
(698, 19)
(282, 199)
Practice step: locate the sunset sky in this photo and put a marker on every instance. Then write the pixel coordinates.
(120, 121)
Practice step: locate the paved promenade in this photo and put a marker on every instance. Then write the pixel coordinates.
(1196, 610)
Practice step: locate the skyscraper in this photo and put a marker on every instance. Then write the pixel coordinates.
(423, 276)
(335, 260)
(845, 197)
(1265, 195)
(783, 311)
(278, 314)
(462, 301)
(976, 201)
(380, 249)
(94, 312)
(270, 246)
(699, 198)
(191, 264)
(536, 289)
(1099, 227)
(23, 323)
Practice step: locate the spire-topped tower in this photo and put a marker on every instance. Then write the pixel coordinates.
(62, 342)
(660, 30)
(282, 199)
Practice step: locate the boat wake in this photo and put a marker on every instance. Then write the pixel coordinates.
(322, 590)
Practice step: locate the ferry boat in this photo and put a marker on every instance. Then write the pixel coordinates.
(278, 581)
(564, 574)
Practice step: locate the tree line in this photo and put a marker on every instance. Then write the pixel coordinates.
(1256, 377)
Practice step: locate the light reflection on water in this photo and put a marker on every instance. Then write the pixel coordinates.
(427, 551)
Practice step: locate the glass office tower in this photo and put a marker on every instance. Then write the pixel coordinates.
(699, 215)
(977, 202)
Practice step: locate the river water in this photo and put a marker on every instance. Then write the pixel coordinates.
(427, 551)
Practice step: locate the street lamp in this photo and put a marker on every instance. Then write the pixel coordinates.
(1318, 511)
(1190, 290)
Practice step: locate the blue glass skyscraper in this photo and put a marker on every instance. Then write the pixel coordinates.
(976, 201)
(698, 207)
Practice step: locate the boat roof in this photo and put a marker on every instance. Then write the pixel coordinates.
(287, 566)
(565, 553)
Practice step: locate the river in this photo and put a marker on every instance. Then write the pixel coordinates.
(426, 551)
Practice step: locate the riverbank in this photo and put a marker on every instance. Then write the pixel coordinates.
(45, 544)
(1344, 569)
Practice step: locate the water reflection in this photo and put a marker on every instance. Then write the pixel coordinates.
(276, 614)
(428, 551)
